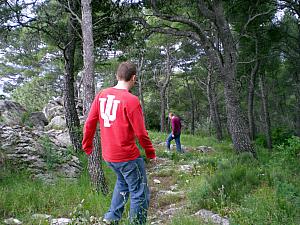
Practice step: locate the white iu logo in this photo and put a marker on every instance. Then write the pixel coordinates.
(108, 111)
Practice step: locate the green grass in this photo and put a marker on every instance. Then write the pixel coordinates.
(248, 191)
(21, 197)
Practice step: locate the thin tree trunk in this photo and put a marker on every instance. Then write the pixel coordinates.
(72, 119)
(251, 88)
(213, 107)
(192, 99)
(168, 126)
(266, 117)
(298, 104)
(163, 85)
(140, 82)
(94, 165)
(162, 95)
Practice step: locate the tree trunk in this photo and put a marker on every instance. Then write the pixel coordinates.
(94, 165)
(192, 99)
(163, 85)
(226, 65)
(251, 88)
(72, 119)
(213, 106)
(298, 103)
(266, 117)
(162, 95)
(236, 123)
(140, 76)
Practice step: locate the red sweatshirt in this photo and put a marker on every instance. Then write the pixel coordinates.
(121, 121)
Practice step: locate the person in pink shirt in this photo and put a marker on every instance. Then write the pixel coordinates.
(121, 120)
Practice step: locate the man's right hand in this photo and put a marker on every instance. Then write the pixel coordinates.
(153, 161)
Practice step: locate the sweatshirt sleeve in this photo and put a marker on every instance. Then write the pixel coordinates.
(90, 127)
(137, 121)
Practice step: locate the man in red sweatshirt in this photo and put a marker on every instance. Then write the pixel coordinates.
(121, 122)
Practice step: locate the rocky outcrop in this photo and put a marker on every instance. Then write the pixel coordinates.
(37, 151)
(11, 113)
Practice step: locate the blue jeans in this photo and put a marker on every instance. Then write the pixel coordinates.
(177, 141)
(131, 180)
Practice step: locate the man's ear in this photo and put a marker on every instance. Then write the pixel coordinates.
(134, 77)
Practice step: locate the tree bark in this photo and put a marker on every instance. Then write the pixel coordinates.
(72, 119)
(140, 82)
(213, 106)
(266, 117)
(192, 99)
(298, 103)
(94, 165)
(226, 65)
(251, 89)
(162, 95)
(163, 84)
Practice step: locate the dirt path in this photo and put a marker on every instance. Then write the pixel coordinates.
(166, 197)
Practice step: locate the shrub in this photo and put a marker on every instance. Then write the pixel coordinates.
(34, 94)
(231, 181)
(263, 207)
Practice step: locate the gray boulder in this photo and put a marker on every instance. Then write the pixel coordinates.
(54, 108)
(38, 120)
(11, 113)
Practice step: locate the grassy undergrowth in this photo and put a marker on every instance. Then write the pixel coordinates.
(248, 191)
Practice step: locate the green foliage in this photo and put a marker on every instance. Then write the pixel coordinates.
(264, 206)
(34, 95)
(290, 148)
(279, 136)
(231, 180)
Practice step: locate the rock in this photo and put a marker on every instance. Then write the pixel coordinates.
(57, 123)
(61, 221)
(11, 113)
(38, 153)
(63, 139)
(156, 181)
(38, 120)
(54, 108)
(174, 187)
(178, 193)
(210, 217)
(204, 149)
(41, 216)
(186, 168)
(12, 221)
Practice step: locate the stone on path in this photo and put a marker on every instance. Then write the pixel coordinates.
(12, 221)
(61, 221)
(209, 216)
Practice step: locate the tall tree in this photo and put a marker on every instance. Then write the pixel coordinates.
(94, 165)
(69, 49)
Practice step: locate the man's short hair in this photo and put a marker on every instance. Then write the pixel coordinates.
(126, 70)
